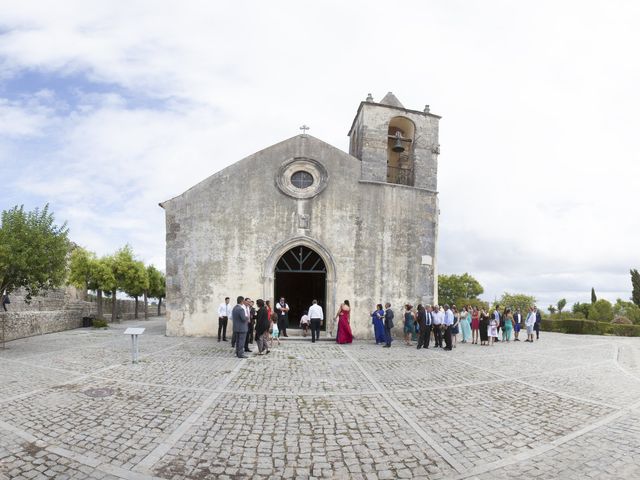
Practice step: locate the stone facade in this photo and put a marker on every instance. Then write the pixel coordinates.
(370, 216)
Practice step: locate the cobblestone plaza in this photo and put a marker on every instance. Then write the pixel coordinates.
(73, 406)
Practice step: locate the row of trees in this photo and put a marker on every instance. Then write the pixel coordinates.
(37, 255)
(604, 311)
(118, 272)
(466, 290)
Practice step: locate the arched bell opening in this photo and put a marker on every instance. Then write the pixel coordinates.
(400, 158)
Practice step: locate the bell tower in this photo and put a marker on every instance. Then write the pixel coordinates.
(396, 145)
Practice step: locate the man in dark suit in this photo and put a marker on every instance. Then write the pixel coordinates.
(536, 326)
(425, 331)
(252, 321)
(240, 327)
(422, 322)
(388, 324)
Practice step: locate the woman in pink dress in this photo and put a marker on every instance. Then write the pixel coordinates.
(475, 325)
(344, 329)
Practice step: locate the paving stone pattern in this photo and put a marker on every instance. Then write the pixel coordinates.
(72, 406)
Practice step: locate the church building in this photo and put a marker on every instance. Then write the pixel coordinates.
(305, 220)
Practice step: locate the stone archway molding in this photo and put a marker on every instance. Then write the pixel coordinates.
(280, 249)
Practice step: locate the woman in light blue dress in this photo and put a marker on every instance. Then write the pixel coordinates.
(465, 324)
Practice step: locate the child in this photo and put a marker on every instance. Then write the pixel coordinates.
(305, 321)
(493, 330)
(275, 333)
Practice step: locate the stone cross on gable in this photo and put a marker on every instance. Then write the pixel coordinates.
(304, 129)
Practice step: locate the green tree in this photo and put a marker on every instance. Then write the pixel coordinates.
(156, 285)
(582, 308)
(33, 251)
(627, 309)
(517, 300)
(136, 282)
(635, 284)
(120, 263)
(561, 304)
(457, 289)
(90, 273)
(594, 299)
(552, 309)
(601, 311)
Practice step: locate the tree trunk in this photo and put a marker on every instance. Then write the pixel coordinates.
(99, 300)
(114, 306)
(146, 306)
(159, 303)
(135, 315)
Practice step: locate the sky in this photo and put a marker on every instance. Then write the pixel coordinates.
(108, 108)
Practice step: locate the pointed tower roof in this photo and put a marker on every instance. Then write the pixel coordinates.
(391, 100)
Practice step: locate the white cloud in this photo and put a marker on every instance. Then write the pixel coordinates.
(538, 172)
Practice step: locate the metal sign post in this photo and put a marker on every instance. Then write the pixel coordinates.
(134, 332)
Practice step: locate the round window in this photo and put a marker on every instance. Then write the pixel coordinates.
(302, 179)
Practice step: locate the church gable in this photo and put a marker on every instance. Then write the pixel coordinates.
(275, 164)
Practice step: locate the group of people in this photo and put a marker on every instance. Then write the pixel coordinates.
(445, 323)
(263, 324)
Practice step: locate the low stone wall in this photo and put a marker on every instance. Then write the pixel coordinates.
(28, 324)
(61, 309)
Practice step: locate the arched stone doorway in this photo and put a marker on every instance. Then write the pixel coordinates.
(301, 277)
(269, 277)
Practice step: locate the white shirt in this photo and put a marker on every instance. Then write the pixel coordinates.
(438, 318)
(531, 319)
(247, 310)
(315, 311)
(280, 308)
(448, 317)
(224, 310)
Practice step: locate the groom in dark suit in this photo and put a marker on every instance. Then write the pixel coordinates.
(240, 327)
(388, 324)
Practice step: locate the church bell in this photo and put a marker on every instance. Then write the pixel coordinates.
(397, 146)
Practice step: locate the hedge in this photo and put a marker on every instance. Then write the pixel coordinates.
(589, 327)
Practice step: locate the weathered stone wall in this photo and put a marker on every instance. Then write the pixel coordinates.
(61, 309)
(225, 234)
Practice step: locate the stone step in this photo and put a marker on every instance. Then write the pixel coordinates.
(295, 335)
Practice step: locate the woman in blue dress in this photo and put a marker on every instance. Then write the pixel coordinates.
(409, 324)
(465, 324)
(377, 318)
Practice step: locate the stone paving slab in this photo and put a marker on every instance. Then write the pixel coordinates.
(318, 377)
(119, 428)
(602, 383)
(300, 437)
(196, 373)
(492, 421)
(567, 406)
(22, 460)
(19, 379)
(437, 372)
(611, 452)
